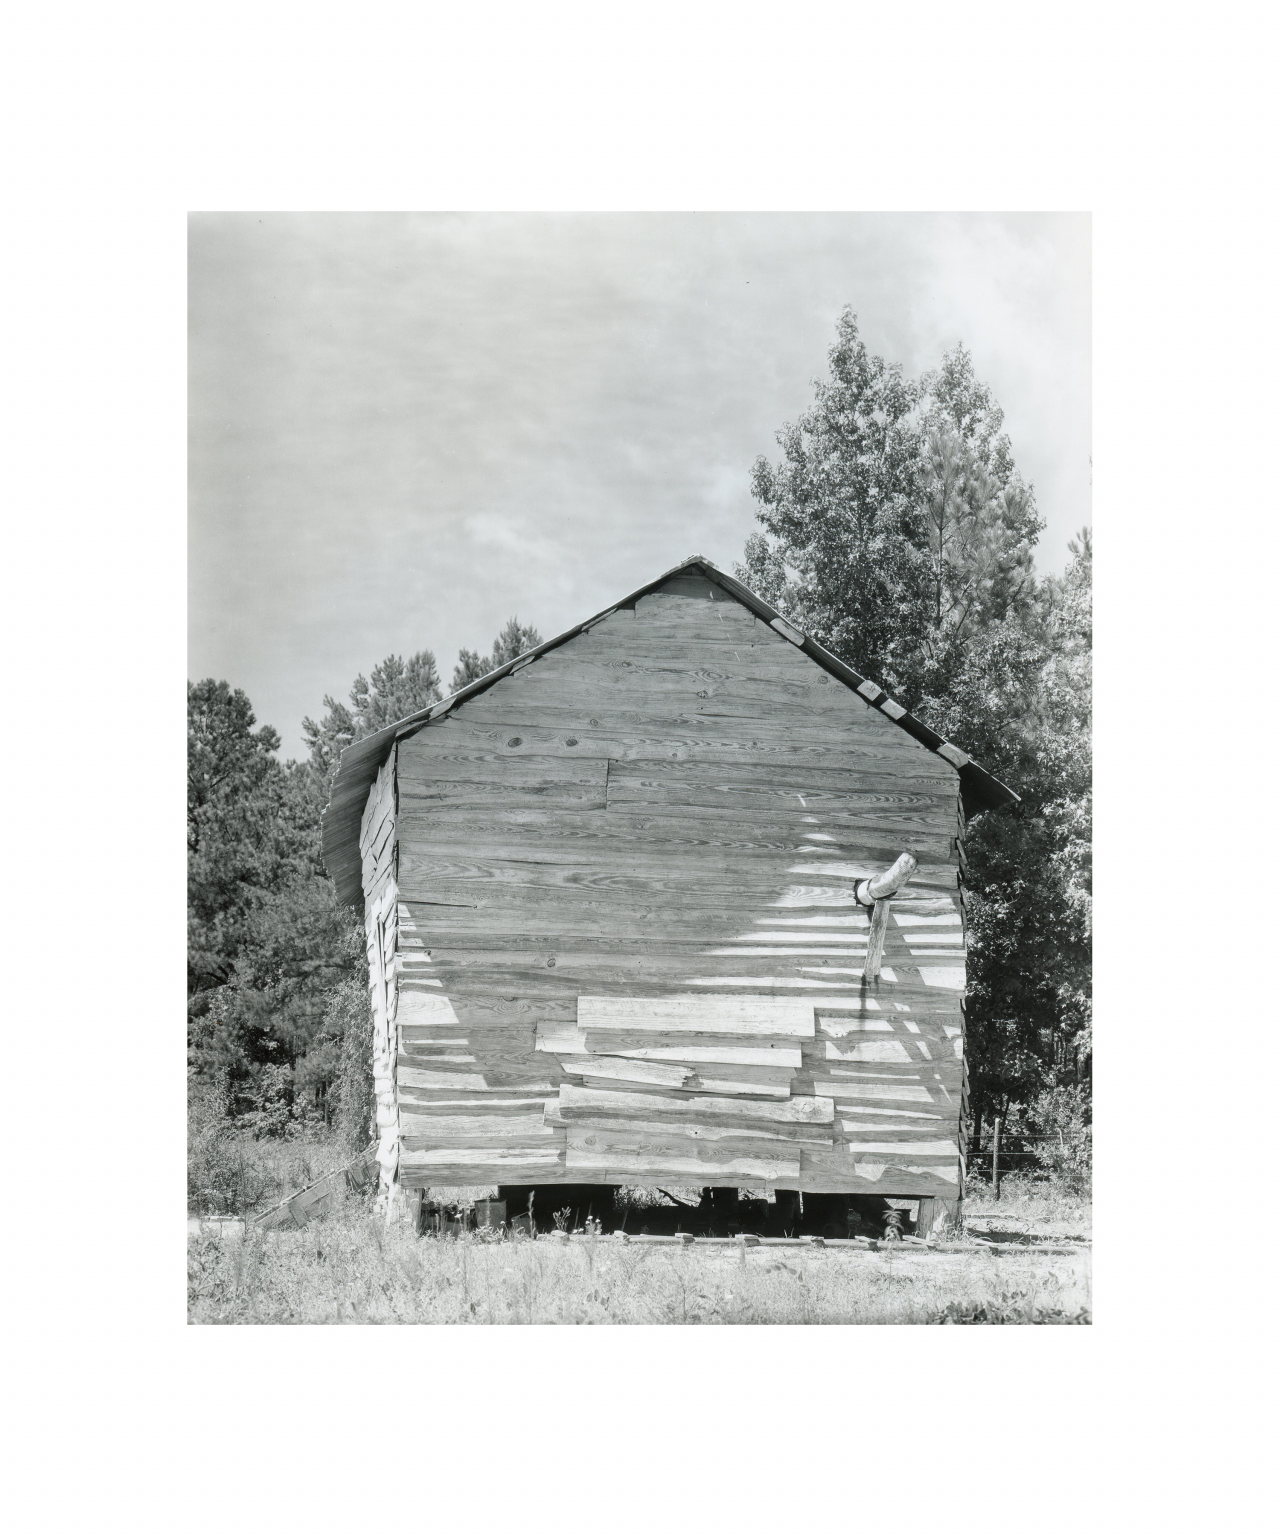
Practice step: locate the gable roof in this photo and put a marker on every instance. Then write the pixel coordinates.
(360, 762)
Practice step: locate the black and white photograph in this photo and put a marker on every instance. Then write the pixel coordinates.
(639, 804)
(566, 830)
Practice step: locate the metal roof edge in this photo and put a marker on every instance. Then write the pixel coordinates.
(359, 763)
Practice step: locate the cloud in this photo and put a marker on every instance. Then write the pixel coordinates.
(405, 428)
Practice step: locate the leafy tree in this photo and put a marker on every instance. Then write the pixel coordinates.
(1029, 876)
(897, 526)
(393, 690)
(250, 826)
(844, 548)
(267, 940)
(515, 640)
(898, 532)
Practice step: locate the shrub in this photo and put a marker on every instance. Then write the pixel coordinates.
(349, 1020)
(221, 1180)
(1064, 1151)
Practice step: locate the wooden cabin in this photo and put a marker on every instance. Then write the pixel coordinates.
(622, 921)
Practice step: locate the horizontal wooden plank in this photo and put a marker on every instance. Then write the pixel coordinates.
(474, 1100)
(448, 1177)
(606, 1067)
(726, 827)
(854, 1091)
(734, 1080)
(584, 796)
(656, 883)
(475, 979)
(920, 1136)
(496, 1157)
(624, 736)
(741, 1015)
(410, 1075)
(667, 1130)
(902, 1146)
(837, 1171)
(498, 1108)
(700, 1049)
(440, 883)
(810, 775)
(685, 1161)
(420, 775)
(560, 1039)
(696, 859)
(712, 722)
(512, 1130)
(795, 1111)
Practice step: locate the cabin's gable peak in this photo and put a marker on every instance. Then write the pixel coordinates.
(360, 762)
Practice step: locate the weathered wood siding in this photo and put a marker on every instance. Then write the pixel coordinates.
(628, 942)
(378, 854)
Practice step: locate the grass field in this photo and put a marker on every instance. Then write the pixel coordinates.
(351, 1268)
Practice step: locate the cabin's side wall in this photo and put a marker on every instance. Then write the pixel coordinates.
(378, 856)
(628, 871)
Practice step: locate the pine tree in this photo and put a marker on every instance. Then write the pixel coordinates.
(515, 640)
(394, 690)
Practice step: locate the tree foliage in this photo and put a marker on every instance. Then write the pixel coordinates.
(394, 689)
(515, 640)
(267, 940)
(251, 827)
(897, 530)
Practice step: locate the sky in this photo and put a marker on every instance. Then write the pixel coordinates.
(405, 428)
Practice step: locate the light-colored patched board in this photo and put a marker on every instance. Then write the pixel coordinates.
(861, 1131)
(908, 1089)
(701, 1049)
(836, 1172)
(661, 1073)
(722, 1080)
(426, 1007)
(794, 1111)
(942, 1079)
(753, 1082)
(700, 1014)
(561, 1039)
(615, 1158)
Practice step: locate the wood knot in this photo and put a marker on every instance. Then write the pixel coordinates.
(515, 741)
